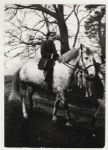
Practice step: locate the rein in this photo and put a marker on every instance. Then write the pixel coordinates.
(70, 66)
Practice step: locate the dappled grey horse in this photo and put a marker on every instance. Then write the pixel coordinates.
(30, 75)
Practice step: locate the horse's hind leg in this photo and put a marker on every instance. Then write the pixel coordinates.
(24, 110)
(23, 98)
(30, 94)
(56, 104)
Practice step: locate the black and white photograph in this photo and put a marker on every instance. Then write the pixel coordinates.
(54, 75)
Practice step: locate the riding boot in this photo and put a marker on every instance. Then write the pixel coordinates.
(49, 79)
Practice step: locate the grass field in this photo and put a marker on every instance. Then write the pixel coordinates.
(39, 131)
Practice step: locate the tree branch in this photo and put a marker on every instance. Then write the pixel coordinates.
(37, 30)
(36, 7)
(56, 10)
(69, 15)
(86, 15)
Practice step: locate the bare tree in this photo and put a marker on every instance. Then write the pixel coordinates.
(77, 11)
(57, 13)
(95, 27)
(49, 15)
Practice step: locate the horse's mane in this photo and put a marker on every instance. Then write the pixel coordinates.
(71, 54)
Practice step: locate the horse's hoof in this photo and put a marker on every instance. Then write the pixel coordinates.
(54, 119)
(68, 124)
(25, 116)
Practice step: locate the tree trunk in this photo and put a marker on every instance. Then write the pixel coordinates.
(64, 35)
(58, 15)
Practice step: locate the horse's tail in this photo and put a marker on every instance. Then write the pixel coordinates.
(15, 93)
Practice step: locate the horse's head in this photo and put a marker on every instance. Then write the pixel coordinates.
(86, 62)
(82, 58)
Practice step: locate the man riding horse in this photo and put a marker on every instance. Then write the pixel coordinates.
(48, 56)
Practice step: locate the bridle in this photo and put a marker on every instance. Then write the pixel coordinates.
(74, 67)
(85, 70)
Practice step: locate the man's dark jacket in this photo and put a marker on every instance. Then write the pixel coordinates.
(47, 49)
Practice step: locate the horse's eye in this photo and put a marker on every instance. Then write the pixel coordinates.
(86, 58)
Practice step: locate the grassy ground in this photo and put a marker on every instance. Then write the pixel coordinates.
(39, 131)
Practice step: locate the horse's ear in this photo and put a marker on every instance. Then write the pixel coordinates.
(81, 46)
(94, 61)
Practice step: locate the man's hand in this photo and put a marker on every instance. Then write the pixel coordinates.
(55, 57)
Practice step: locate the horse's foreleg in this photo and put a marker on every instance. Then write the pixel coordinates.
(68, 116)
(90, 88)
(86, 88)
(86, 93)
(56, 104)
(78, 83)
